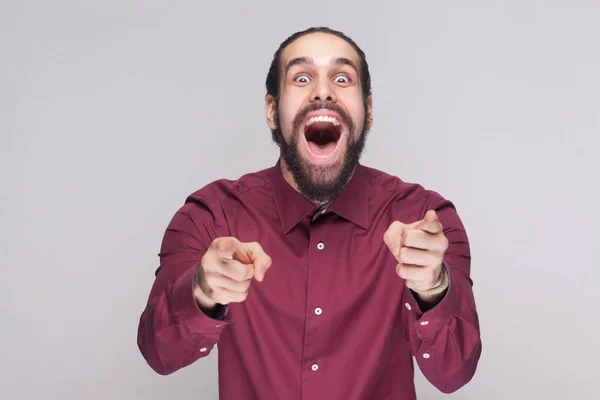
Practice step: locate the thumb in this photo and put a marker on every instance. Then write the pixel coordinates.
(431, 222)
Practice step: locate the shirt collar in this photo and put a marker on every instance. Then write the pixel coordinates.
(352, 204)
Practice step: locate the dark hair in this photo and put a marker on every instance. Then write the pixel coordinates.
(274, 75)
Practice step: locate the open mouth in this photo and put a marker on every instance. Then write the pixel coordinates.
(322, 134)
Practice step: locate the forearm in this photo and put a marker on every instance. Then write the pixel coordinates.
(445, 340)
(173, 331)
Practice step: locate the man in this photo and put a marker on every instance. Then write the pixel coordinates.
(319, 278)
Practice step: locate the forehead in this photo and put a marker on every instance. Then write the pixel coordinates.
(321, 47)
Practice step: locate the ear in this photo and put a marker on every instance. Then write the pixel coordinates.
(369, 112)
(270, 111)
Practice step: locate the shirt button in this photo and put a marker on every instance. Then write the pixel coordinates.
(318, 311)
(315, 367)
(426, 355)
(203, 350)
(320, 246)
(424, 323)
(407, 306)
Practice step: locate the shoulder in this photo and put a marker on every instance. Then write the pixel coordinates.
(218, 191)
(386, 185)
(204, 207)
(409, 201)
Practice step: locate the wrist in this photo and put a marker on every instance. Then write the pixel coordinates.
(202, 300)
(434, 294)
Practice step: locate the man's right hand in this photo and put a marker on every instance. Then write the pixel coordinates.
(226, 271)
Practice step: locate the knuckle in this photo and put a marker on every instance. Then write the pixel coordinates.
(238, 275)
(206, 258)
(210, 260)
(386, 239)
(408, 236)
(245, 285)
(241, 275)
(218, 267)
(404, 253)
(241, 296)
(236, 272)
(248, 273)
(445, 243)
(208, 279)
(401, 271)
(394, 228)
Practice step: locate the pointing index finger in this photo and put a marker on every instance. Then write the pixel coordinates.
(259, 258)
(431, 223)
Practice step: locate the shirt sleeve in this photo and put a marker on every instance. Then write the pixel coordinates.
(173, 332)
(445, 340)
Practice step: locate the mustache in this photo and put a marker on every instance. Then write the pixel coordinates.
(347, 120)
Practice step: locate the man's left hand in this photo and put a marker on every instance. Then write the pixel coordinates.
(419, 248)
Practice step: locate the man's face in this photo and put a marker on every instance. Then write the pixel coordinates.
(321, 115)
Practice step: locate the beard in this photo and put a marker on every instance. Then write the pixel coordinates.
(321, 183)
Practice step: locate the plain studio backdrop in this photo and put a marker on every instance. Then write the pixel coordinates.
(111, 113)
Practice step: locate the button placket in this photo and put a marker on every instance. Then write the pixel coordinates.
(317, 273)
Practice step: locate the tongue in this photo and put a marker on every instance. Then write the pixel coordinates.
(322, 150)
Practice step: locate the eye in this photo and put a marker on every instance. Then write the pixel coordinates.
(302, 79)
(342, 79)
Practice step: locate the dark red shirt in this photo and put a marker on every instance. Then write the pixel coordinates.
(332, 319)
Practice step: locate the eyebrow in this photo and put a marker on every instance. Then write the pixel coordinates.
(339, 61)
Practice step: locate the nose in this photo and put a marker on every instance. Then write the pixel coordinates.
(322, 91)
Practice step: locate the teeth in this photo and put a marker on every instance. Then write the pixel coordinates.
(322, 118)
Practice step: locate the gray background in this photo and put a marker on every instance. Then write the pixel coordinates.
(111, 113)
